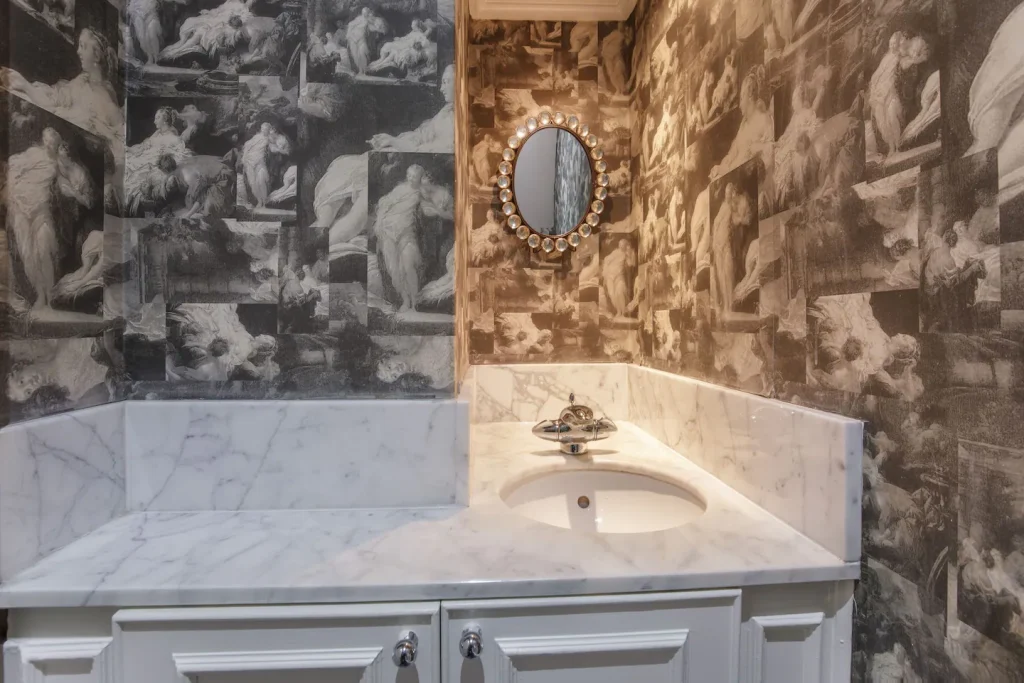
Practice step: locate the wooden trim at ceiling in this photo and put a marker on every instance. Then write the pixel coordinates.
(542, 10)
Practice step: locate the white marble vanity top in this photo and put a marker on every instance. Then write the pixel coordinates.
(480, 551)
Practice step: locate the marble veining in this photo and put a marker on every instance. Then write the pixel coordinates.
(483, 550)
(530, 393)
(264, 455)
(61, 477)
(801, 465)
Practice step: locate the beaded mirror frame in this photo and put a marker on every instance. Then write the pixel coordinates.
(598, 174)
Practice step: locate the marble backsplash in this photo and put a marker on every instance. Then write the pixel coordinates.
(531, 393)
(263, 455)
(60, 478)
(64, 476)
(802, 465)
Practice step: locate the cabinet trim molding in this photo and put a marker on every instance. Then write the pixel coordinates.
(760, 628)
(171, 615)
(204, 663)
(511, 649)
(32, 654)
(670, 598)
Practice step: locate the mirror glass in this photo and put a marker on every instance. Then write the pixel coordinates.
(552, 181)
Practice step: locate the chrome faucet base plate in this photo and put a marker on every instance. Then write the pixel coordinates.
(574, 448)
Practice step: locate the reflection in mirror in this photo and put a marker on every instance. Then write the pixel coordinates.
(553, 181)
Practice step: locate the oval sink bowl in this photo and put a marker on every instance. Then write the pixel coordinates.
(604, 501)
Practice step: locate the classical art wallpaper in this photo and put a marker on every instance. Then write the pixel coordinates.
(831, 212)
(61, 154)
(527, 307)
(216, 198)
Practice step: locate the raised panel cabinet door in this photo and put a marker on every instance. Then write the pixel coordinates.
(798, 633)
(294, 644)
(785, 648)
(57, 660)
(653, 638)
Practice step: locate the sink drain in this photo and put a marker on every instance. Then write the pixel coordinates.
(583, 502)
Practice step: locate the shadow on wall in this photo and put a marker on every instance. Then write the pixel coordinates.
(829, 198)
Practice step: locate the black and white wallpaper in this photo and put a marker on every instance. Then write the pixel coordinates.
(217, 198)
(61, 157)
(527, 307)
(831, 210)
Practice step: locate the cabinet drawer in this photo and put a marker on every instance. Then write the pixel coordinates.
(299, 644)
(653, 638)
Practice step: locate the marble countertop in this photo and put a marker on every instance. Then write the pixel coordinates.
(481, 551)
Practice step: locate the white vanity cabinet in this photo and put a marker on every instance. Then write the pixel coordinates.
(780, 634)
(273, 644)
(602, 639)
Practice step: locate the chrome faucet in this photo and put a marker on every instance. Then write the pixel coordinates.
(575, 428)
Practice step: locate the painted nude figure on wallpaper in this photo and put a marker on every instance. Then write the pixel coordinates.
(700, 232)
(32, 177)
(951, 284)
(58, 372)
(341, 205)
(481, 160)
(613, 60)
(412, 56)
(583, 42)
(517, 334)
(725, 90)
(790, 20)
(256, 155)
(888, 112)
(150, 163)
(361, 34)
(202, 185)
(89, 275)
(615, 269)
(436, 134)
(702, 103)
(205, 342)
(213, 35)
(396, 230)
(146, 27)
(756, 134)
(995, 115)
(796, 157)
(734, 214)
(88, 100)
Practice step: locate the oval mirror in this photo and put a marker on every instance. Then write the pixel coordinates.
(553, 181)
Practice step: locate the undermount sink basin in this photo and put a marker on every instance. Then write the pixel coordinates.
(604, 501)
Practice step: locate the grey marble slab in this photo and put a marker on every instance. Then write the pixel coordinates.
(272, 455)
(483, 550)
(61, 477)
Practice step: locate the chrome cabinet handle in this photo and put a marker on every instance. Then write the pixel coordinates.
(472, 644)
(405, 650)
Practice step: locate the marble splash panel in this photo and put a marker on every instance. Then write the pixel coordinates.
(277, 455)
(531, 393)
(801, 465)
(61, 477)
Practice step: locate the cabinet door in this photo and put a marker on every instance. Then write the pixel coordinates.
(655, 638)
(298, 644)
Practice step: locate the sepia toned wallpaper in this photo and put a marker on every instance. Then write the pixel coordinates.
(832, 213)
(227, 199)
(528, 307)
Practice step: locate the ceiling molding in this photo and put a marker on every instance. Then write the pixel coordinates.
(562, 10)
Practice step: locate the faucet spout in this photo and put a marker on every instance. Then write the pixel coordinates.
(575, 428)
